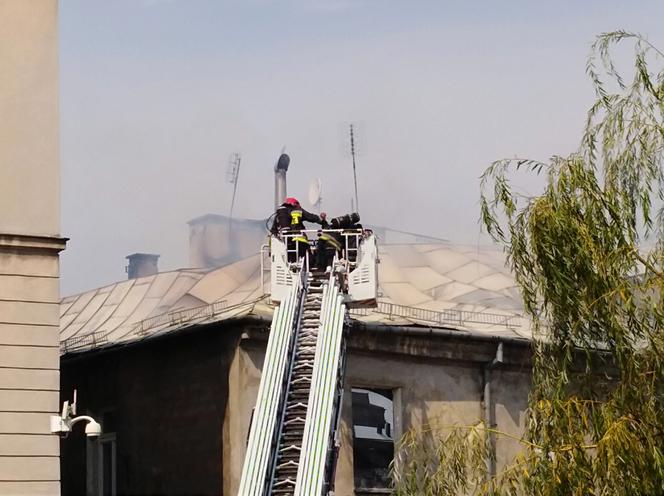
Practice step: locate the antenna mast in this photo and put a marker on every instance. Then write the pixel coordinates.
(232, 175)
(352, 152)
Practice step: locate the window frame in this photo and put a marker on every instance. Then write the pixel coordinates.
(94, 466)
(396, 430)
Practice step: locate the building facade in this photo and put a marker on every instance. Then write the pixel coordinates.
(170, 365)
(29, 245)
(176, 410)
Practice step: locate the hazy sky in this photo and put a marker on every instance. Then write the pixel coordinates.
(156, 94)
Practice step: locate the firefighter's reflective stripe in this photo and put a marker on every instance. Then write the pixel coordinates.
(301, 239)
(296, 217)
(331, 240)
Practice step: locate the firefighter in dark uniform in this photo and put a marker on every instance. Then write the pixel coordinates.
(289, 219)
(331, 243)
(328, 244)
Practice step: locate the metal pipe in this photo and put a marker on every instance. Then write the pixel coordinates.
(279, 187)
(280, 169)
(490, 411)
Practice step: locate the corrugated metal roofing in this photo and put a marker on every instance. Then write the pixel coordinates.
(438, 285)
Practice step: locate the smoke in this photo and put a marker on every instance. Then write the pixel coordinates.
(155, 99)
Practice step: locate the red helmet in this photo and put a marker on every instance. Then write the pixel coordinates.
(292, 201)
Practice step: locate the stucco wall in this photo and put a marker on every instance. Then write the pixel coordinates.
(243, 382)
(436, 379)
(29, 247)
(29, 173)
(510, 389)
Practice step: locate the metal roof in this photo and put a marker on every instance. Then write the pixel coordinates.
(443, 285)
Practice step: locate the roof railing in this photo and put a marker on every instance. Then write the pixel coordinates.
(93, 340)
(86, 341)
(179, 317)
(450, 317)
(444, 317)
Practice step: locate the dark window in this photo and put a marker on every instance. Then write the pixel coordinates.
(373, 437)
(102, 458)
(108, 467)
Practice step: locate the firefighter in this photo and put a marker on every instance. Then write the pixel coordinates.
(328, 244)
(289, 219)
(331, 243)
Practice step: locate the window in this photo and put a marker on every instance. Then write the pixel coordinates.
(102, 459)
(373, 437)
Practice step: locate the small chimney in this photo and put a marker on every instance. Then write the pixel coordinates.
(280, 170)
(142, 265)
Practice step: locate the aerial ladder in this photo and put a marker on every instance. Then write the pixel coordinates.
(293, 439)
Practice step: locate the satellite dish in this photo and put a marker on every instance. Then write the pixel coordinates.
(315, 193)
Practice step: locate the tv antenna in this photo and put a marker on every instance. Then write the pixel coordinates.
(316, 193)
(232, 176)
(352, 152)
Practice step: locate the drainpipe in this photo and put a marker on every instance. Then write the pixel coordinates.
(490, 411)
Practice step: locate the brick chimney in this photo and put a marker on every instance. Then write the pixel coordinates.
(141, 265)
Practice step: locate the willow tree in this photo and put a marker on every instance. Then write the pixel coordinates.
(588, 255)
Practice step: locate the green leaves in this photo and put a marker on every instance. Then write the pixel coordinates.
(440, 460)
(587, 254)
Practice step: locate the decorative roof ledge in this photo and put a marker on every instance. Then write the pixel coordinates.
(23, 242)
